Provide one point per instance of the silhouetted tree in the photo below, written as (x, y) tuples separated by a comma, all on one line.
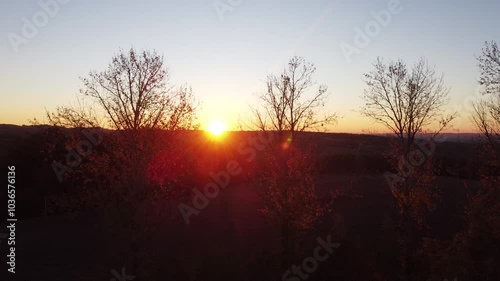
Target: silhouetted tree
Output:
[(132, 93), (489, 65), (486, 113), (288, 189), (134, 99), (486, 117), (478, 245), (291, 104), (408, 101)]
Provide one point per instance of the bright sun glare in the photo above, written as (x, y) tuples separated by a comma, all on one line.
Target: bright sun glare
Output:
[(216, 128)]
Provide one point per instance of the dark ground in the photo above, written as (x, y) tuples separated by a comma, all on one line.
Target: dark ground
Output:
[(229, 238)]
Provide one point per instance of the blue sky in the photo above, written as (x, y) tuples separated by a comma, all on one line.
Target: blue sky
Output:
[(226, 59)]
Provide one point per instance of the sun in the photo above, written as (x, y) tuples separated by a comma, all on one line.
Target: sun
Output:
[(216, 128)]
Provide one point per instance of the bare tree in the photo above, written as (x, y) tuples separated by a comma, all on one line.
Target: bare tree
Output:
[(489, 65), (406, 101), (292, 103), (486, 113), (482, 208), (486, 118), (134, 98), (132, 93)]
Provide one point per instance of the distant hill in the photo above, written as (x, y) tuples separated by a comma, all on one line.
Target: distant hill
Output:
[(344, 142)]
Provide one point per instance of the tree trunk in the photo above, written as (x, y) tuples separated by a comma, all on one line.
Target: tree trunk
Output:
[(285, 243)]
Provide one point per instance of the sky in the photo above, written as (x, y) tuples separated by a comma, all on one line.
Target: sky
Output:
[(225, 49)]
